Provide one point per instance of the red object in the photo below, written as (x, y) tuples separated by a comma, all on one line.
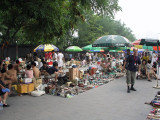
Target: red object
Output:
[(104, 55), (49, 55), (50, 63), (46, 56), (137, 42), (155, 48), (93, 70), (98, 63)]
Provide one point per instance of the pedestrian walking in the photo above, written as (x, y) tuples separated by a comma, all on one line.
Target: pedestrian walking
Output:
[(133, 66)]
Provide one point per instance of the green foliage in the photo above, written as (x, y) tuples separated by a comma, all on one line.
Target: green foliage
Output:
[(97, 26), (47, 21)]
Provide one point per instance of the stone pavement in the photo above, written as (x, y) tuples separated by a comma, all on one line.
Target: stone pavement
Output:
[(107, 102)]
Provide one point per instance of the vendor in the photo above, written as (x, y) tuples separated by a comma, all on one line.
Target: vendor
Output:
[(29, 72), (4, 68), (12, 72), (16, 66), (36, 72), (44, 69), (5, 92), (4, 82), (53, 71)]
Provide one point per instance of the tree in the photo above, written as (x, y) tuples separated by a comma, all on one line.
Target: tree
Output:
[(43, 21), (97, 26)]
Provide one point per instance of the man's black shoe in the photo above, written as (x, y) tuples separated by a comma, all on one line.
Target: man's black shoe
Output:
[(5, 105), (133, 89), (128, 91)]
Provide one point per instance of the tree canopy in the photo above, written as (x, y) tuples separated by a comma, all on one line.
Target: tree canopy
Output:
[(46, 21), (97, 26)]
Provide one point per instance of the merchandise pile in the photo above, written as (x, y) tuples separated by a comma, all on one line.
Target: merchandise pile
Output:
[(155, 112), (71, 83), (78, 81)]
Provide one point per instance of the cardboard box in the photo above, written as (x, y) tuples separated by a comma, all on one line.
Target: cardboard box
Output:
[(80, 75), (67, 74), (22, 88), (73, 73), (30, 87), (27, 80), (25, 88), (15, 87), (37, 82)]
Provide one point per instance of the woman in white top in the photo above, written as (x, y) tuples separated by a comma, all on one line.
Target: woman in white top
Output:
[(154, 57), (29, 72)]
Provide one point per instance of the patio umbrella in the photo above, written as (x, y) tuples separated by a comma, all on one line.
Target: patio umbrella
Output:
[(155, 48), (73, 49), (114, 50), (138, 46), (137, 42), (111, 41), (119, 48), (97, 50), (149, 48), (46, 48), (150, 42), (89, 47)]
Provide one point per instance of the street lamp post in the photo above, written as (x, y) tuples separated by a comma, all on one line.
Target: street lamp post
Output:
[(16, 50)]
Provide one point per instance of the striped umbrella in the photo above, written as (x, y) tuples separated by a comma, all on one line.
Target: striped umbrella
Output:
[(137, 42), (46, 48)]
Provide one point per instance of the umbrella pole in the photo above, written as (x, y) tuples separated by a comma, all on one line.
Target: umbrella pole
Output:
[(157, 86)]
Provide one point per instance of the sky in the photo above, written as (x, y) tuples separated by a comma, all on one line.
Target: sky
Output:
[(141, 16)]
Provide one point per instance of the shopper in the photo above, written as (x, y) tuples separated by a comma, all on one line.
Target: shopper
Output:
[(60, 59), (133, 66)]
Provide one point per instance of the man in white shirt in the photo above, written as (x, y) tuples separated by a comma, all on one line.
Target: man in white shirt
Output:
[(54, 57), (60, 58)]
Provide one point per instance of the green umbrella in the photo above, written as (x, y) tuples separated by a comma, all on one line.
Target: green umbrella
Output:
[(119, 48), (97, 50), (89, 47), (114, 50), (150, 42), (73, 49), (111, 41)]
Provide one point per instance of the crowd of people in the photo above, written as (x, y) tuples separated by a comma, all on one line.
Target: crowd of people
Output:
[(34, 67)]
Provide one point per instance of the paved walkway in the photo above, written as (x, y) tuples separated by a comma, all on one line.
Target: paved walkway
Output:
[(107, 102)]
